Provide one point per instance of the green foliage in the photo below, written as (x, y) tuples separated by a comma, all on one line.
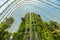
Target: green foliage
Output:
[(4, 35), (43, 29), (33, 23), (7, 22)]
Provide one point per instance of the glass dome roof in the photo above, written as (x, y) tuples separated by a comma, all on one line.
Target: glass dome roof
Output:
[(44, 9)]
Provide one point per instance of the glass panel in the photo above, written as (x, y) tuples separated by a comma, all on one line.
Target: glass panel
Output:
[(2, 2), (5, 6), (55, 1)]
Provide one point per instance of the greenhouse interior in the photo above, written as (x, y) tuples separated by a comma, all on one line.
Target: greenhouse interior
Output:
[(29, 19)]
